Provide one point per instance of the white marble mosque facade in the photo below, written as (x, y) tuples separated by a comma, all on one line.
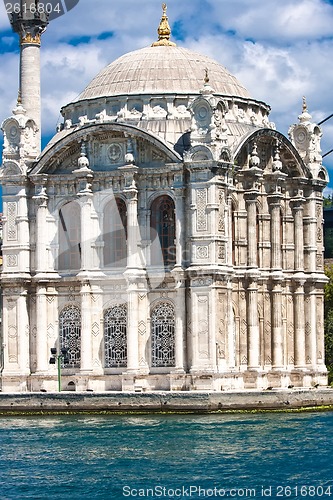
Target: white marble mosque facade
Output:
[(168, 236)]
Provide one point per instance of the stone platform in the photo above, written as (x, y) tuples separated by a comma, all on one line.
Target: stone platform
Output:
[(162, 402)]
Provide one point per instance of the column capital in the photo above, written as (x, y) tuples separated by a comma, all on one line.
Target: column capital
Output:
[(251, 196), (299, 280), (274, 199), (131, 192), (41, 200)]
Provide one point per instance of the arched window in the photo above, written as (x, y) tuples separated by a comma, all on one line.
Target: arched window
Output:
[(69, 237), (70, 334), (115, 233), (163, 224), (163, 335), (115, 337)]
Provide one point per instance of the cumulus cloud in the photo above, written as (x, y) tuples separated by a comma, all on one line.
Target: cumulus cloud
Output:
[(280, 51)]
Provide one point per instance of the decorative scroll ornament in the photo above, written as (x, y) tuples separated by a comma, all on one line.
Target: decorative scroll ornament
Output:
[(164, 31)]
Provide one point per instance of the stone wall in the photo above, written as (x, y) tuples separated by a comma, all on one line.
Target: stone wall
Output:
[(200, 402)]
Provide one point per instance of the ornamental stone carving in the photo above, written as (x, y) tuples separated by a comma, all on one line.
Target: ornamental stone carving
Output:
[(202, 252)]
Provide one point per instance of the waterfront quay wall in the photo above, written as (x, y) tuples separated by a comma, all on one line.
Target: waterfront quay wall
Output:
[(191, 402)]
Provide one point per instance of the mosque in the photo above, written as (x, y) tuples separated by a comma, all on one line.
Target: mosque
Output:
[(167, 238)]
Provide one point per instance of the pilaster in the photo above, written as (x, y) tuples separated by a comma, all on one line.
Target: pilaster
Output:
[(297, 206), (42, 354), (86, 329), (274, 201), (253, 335), (252, 243), (299, 324)]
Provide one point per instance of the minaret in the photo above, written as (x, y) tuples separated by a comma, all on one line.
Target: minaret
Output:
[(30, 23)]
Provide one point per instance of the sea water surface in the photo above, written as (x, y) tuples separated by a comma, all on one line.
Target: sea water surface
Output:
[(271, 455)]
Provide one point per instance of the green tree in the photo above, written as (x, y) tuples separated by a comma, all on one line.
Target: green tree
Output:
[(329, 322), (328, 201)]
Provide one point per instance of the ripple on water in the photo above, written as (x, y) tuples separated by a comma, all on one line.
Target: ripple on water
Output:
[(80, 457)]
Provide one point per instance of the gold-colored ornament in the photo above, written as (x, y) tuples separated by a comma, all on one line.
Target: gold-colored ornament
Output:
[(30, 39), (164, 31)]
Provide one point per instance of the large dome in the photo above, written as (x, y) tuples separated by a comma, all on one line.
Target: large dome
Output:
[(165, 70)]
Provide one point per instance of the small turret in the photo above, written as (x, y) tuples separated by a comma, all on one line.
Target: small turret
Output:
[(306, 137)]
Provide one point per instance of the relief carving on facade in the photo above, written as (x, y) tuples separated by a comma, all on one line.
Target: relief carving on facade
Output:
[(201, 198), (11, 221)]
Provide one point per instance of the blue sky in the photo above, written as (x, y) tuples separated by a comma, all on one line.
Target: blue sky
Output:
[(280, 51)]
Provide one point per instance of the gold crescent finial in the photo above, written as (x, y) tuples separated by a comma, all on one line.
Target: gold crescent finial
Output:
[(164, 31)]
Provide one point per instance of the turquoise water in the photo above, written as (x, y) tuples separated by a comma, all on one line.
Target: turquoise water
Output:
[(172, 456)]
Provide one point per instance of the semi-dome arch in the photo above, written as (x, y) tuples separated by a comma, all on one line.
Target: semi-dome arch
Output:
[(62, 144), (293, 162)]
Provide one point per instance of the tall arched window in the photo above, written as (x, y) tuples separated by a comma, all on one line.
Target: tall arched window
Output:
[(69, 237), (70, 334), (115, 233), (115, 336), (163, 335), (163, 223)]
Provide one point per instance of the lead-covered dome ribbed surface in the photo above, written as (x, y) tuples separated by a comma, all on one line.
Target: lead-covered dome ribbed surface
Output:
[(164, 70)]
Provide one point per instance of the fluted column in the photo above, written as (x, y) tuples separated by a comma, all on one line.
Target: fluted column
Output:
[(230, 229), (277, 327), (180, 326), (86, 235), (231, 329), (134, 271), (42, 354), (299, 327), (133, 233), (23, 333), (275, 205), (252, 244), (311, 344), (320, 334), (132, 330), (253, 336), (311, 228), (297, 205), (86, 335), (41, 200), (180, 225)]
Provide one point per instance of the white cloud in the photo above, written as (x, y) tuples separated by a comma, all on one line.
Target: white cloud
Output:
[(280, 51)]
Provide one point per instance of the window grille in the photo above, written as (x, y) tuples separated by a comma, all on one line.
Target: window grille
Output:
[(163, 335), (70, 335), (115, 336)]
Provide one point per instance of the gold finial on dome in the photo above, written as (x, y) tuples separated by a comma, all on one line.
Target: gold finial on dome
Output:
[(206, 76), (164, 31)]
